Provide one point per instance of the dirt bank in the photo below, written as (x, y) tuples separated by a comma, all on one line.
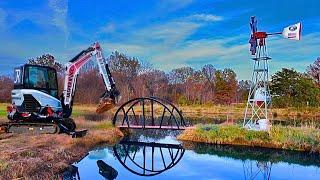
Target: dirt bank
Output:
[(43, 156)]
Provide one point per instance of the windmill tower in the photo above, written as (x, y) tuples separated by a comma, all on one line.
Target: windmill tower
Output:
[(257, 169), (258, 105)]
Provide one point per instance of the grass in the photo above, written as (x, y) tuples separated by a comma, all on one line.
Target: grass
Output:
[(3, 165), (28, 153), (27, 156), (3, 110), (292, 138), (81, 110), (104, 126), (234, 111)]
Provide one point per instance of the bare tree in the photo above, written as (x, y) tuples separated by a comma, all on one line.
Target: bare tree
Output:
[(208, 72), (314, 70), (47, 60), (6, 85), (125, 70)]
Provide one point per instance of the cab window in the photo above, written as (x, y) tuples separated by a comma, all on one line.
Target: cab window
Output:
[(41, 78)]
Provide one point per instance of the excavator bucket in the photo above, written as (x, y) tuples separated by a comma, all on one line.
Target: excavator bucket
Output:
[(3, 128), (105, 105)]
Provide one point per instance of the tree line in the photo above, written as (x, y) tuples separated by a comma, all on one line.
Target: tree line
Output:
[(184, 86)]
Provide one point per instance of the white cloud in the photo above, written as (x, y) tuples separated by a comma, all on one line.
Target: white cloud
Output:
[(308, 45), (109, 28), (173, 5), (123, 48), (169, 33), (214, 51), (205, 17), (294, 54), (60, 14)]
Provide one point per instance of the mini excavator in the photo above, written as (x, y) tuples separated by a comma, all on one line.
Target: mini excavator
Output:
[(36, 105)]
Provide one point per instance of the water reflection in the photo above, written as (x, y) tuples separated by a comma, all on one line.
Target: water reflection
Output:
[(71, 173), (257, 163), (160, 156), (157, 154), (106, 170), (252, 169), (245, 153)]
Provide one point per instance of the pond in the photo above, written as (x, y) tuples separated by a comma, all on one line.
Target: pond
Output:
[(158, 155)]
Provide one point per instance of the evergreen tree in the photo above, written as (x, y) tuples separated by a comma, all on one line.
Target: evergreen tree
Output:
[(291, 88)]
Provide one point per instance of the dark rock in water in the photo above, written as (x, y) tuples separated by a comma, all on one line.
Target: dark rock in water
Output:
[(71, 173), (107, 171)]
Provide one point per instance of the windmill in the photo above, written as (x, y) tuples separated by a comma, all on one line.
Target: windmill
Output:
[(258, 111)]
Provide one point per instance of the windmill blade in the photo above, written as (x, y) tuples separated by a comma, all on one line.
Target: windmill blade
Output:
[(293, 31), (253, 45), (253, 40), (253, 24)]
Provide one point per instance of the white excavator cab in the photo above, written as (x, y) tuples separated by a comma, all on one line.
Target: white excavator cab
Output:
[(35, 87)]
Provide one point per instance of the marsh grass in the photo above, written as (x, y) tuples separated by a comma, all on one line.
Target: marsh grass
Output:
[(293, 138)]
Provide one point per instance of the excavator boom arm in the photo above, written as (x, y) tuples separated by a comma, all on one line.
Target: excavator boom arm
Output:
[(72, 72)]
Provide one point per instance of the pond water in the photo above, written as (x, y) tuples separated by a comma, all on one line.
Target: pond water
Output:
[(158, 155)]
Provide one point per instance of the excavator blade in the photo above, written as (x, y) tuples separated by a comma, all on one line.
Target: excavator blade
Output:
[(33, 128), (105, 105)]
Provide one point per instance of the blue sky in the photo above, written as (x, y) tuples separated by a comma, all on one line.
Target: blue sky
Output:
[(167, 33)]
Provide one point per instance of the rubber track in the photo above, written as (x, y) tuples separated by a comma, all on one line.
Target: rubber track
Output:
[(32, 127)]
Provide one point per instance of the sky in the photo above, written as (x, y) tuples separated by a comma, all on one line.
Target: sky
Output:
[(166, 33)]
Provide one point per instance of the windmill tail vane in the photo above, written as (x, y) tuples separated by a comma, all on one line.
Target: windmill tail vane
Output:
[(293, 31)]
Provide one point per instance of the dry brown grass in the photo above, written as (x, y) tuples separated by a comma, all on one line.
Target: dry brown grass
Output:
[(237, 112), (26, 156)]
